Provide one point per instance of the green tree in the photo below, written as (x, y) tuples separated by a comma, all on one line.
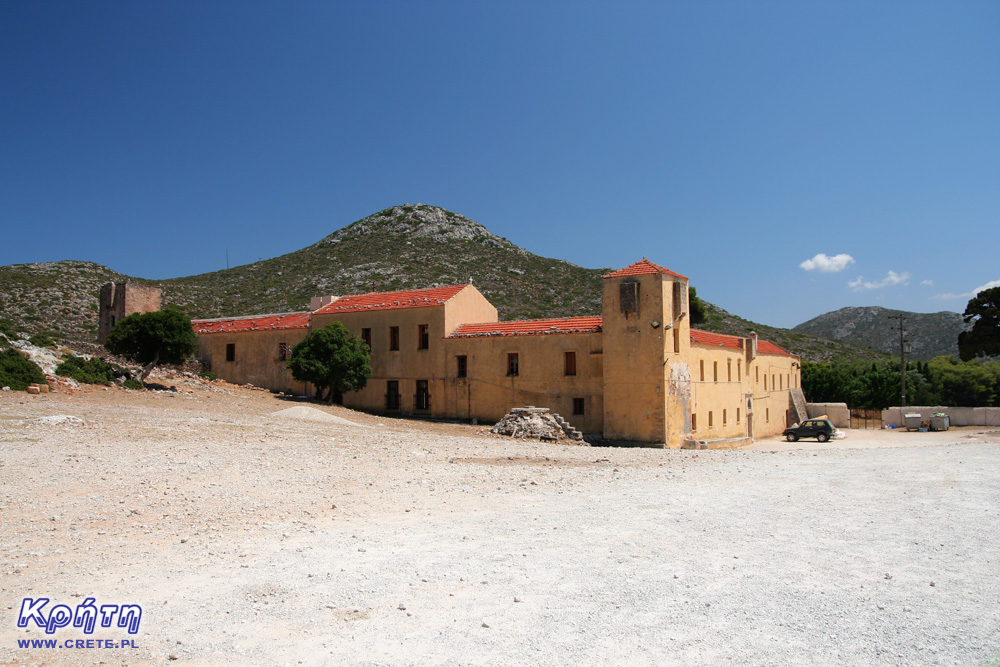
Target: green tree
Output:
[(697, 307), (983, 310), (162, 337), (829, 383), (965, 383), (331, 359), (880, 387)]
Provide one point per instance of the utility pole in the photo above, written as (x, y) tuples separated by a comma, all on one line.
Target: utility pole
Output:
[(903, 345)]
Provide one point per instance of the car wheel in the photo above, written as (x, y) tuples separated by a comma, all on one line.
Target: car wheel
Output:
[(822, 437), (791, 437)]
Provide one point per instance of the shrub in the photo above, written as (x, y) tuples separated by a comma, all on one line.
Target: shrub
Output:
[(42, 340), (17, 371), (7, 329), (132, 384), (208, 375), (93, 371)]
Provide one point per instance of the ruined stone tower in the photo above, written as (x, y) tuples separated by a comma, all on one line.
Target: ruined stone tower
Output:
[(119, 300)]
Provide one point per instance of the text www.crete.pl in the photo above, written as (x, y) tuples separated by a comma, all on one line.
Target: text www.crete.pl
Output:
[(76, 643)]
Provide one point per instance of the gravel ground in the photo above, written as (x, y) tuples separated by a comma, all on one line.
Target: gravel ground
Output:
[(250, 537)]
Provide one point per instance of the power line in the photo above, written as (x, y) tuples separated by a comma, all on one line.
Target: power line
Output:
[(903, 349)]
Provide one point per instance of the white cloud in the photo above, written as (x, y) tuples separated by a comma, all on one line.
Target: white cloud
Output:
[(822, 262), (926, 282), (891, 278), (969, 295)]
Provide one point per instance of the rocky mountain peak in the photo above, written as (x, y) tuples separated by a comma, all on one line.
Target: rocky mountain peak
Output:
[(420, 221)]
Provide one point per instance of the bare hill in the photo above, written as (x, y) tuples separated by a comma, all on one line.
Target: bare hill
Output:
[(930, 334)]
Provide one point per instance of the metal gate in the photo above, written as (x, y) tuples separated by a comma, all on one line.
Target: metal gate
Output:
[(871, 419)]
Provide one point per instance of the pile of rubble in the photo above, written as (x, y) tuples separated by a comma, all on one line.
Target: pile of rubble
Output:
[(532, 422)]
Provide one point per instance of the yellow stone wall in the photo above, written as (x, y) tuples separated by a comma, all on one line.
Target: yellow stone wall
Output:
[(256, 358), (409, 364), (730, 401), (488, 392)]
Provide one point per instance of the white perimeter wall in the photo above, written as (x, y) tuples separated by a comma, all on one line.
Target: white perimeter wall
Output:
[(957, 416)]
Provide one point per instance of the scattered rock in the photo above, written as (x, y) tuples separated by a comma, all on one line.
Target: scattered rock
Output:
[(58, 420)]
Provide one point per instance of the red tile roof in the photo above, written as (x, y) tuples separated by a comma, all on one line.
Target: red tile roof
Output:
[(420, 298), (700, 337), (643, 267), (252, 323), (767, 347), (563, 325)]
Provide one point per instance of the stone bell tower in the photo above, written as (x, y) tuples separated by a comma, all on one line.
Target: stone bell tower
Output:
[(647, 340)]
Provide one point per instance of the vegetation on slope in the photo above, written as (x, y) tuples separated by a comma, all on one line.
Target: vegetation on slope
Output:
[(402, 247)]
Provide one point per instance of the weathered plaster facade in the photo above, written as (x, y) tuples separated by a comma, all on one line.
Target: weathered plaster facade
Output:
[(637, 373), (253, 350)]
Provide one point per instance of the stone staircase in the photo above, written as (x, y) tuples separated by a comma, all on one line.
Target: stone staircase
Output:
[(797, 404), (567, 428)]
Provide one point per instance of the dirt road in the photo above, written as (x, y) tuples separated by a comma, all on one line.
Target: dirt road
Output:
[(252, 534)]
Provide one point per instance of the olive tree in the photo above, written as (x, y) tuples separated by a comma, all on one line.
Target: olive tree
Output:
[(331, 359), (162, 337)]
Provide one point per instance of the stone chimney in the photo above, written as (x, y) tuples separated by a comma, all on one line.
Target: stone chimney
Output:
[(317, 302)]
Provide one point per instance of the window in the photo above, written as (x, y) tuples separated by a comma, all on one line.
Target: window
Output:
[(737, 415), (393, 338), (512, 364), (230, 351), (724, 420), (756, 374), (710, 424), (392, 395), (739, 370), (423, 397), (629, 296), (694, 422), (767, 415), (701, 370), (781, 382), (423, 337), (772, 381), (282, 351), (715, 371), (765, 381), (729, 370), (462, 369), (366, 336), (570, 363), (578, 406)]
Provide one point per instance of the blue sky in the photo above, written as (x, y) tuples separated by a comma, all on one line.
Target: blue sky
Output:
[(792, 158)]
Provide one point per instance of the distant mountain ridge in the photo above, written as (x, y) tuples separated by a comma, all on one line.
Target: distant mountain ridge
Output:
[(929, 334), (401, 247)]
